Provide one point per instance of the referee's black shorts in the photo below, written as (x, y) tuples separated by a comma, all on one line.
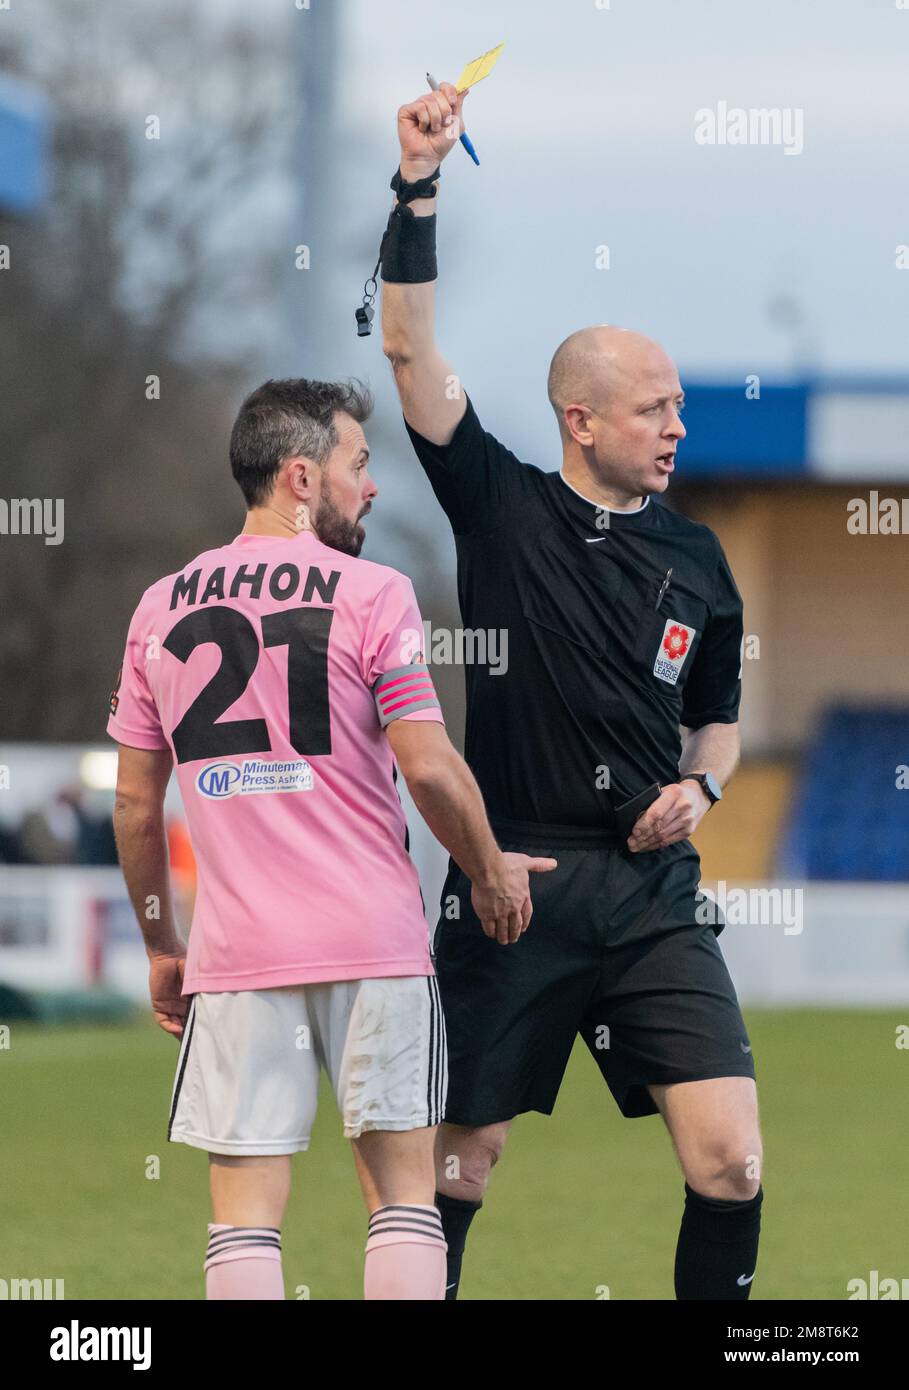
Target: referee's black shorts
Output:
[(614, 951)]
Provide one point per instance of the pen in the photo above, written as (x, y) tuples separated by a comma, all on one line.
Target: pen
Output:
[(663, 587), (465, 139)]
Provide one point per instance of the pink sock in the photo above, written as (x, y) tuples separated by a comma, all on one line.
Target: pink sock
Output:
[(243, 1262), (405, 1254)]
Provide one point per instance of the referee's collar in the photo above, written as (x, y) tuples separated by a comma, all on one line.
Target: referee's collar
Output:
[(591, 510)]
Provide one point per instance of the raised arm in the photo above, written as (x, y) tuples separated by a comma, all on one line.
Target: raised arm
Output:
[(431, 398)]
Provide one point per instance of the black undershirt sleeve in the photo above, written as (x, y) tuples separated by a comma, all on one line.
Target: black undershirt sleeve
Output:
[(714, 687)]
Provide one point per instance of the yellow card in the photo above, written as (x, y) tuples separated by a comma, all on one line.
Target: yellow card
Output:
[(478, 68)]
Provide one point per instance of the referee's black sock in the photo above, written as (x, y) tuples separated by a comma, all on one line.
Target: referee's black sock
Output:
[(456, 1218), (716, 1255)]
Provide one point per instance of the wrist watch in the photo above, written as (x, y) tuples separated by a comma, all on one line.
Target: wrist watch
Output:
[(709, 785)]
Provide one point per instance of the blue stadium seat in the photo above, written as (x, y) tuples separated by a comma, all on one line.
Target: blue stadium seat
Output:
[(849, 821)]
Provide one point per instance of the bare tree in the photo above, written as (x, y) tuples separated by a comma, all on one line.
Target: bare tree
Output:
[(137, 307)]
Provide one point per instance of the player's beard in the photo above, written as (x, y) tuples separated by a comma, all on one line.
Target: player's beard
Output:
[(334, 529)]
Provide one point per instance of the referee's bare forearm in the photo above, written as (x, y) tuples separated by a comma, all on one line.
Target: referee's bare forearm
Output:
[(714, 748)]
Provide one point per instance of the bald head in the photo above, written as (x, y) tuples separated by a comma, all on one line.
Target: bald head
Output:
[(595, 364)]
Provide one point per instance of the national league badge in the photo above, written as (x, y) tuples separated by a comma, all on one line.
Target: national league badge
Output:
[(674, 647)]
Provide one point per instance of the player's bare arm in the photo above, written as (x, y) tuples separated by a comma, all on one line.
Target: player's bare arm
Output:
[(449, 800), (679, 809), (428, 130), (142, 777)]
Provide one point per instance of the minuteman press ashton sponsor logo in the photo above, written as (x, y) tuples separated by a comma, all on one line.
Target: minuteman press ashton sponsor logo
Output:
[(218, 781)]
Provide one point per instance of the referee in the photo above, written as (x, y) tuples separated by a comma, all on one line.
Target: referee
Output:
[(625, 630)]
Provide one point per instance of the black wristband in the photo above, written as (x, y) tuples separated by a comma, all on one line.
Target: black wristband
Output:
[(409, 248), (420, 188), (408, 251)]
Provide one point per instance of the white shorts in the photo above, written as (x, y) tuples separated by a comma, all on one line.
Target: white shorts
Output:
[(248, 1073)]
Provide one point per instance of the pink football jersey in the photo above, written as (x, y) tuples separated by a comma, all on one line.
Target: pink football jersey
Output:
[(270, 668)]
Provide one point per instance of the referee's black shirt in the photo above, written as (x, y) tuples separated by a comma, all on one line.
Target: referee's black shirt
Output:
[(576, 588)]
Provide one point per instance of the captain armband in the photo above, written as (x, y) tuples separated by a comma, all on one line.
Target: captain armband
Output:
[(404, 690)]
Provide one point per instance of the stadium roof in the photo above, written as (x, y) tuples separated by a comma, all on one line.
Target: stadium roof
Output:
[(836, 430)]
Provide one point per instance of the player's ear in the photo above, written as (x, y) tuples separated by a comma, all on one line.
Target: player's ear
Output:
[(300, 477)]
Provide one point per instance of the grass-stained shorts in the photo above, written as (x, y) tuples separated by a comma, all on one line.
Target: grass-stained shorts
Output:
[(247, 1077), (614, 951)]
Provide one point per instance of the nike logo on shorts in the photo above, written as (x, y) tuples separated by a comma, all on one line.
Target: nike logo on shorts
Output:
[(746, 1047), (745, 1279)]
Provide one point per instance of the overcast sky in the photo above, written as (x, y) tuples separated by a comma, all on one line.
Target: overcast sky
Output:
[(586, 136), (586, 133)]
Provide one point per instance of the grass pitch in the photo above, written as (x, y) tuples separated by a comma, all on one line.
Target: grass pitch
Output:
[(581, 1200)]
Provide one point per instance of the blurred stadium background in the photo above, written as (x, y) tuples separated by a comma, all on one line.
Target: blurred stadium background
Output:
[(192, 197)]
